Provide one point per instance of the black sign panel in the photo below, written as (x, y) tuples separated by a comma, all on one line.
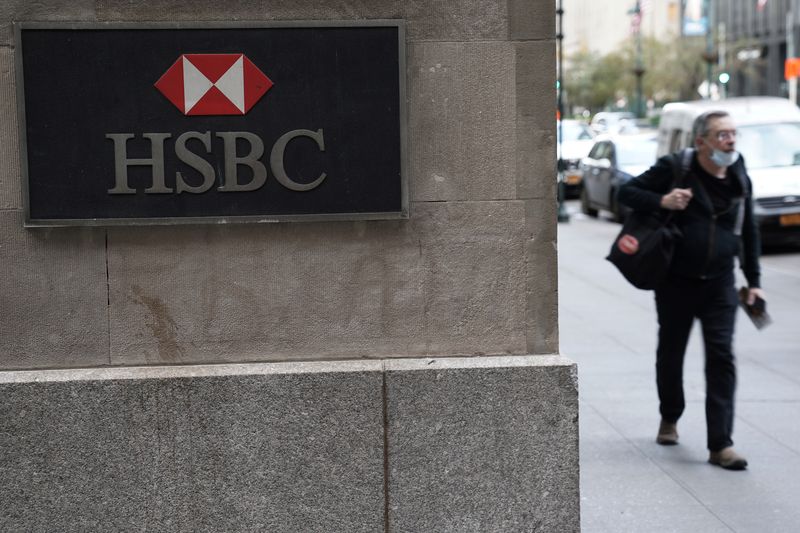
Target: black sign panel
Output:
[(131, 124)]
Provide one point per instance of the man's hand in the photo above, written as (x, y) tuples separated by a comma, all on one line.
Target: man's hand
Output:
[(752, 293), (676, 199)]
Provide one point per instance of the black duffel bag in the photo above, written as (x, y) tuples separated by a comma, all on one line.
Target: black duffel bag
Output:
[(643, 250)]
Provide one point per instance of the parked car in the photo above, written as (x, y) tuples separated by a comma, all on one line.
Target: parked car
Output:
[(578, 140), (769, 139), (612, 161)]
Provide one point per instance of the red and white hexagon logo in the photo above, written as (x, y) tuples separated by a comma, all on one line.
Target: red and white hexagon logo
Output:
[(213, 84)]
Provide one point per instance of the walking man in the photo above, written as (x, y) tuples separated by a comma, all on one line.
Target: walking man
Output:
[(714, 211)]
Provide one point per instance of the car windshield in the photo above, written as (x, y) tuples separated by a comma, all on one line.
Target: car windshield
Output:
[(575, 131), (770, 145), (635, 153)]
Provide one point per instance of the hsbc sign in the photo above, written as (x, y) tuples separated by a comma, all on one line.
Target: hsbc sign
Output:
[(153, 124)]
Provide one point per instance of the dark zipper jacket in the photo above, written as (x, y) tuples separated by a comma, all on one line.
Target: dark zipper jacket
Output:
[(709, 242)]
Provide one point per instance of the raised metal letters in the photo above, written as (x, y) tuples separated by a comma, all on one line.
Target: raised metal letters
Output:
[(232, 162), (194, 161), (121, 162), (276, 159), (200, 164)]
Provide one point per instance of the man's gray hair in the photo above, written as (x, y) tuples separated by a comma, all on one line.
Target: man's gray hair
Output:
[(700, 126)]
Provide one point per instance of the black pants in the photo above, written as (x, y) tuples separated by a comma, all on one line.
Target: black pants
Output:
[(714, 302)]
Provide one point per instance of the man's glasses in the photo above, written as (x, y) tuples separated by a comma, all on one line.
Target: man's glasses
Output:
[(725, 135)]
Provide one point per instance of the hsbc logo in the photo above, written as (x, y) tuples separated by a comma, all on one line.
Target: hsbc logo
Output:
[(213, 84)]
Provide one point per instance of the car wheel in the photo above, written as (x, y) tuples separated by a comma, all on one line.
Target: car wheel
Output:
[(586, 208)]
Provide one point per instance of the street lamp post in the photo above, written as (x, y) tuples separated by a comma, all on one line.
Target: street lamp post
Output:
[(722, 60), (639, 69), (709, 56), (563, 215), (790, 48)]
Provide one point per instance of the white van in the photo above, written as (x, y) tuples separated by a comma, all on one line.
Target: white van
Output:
[(769, 140)]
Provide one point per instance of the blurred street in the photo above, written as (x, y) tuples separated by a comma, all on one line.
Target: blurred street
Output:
[(628, 482)]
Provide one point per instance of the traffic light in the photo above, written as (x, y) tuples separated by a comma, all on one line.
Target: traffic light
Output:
[(724, 77)]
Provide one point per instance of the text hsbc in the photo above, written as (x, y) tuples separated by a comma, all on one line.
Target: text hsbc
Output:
[(232, 162)]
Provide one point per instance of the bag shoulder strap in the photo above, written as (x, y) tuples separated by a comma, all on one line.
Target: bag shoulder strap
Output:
[(741, 175), (737, 230), (681, 164)]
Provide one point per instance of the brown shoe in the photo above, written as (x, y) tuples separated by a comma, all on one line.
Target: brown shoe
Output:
[(727, 458), (667, 433)]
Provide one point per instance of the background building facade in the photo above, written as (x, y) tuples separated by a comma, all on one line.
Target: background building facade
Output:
[(601, 27), (754, 39)]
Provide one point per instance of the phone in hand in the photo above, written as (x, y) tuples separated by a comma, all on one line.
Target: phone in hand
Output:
[(757, 311)]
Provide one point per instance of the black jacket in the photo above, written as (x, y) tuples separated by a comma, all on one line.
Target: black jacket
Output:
[(709, 242)]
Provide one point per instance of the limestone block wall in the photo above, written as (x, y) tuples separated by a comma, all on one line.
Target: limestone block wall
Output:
[(306, 376), (473, 271), (461, 445)]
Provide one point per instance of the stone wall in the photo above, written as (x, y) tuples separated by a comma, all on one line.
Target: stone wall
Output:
[(471, 272), (412, 445), (338, 376)]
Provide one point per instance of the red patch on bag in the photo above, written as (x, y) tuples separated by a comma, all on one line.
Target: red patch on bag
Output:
[(628, 244)]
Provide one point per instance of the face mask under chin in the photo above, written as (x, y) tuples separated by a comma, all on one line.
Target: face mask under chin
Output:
[(724, 159)]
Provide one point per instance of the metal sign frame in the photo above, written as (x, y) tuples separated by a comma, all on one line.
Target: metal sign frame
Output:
[(403, 213)]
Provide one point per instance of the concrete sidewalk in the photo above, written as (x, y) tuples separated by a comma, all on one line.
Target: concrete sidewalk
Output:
[(628, 482)]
